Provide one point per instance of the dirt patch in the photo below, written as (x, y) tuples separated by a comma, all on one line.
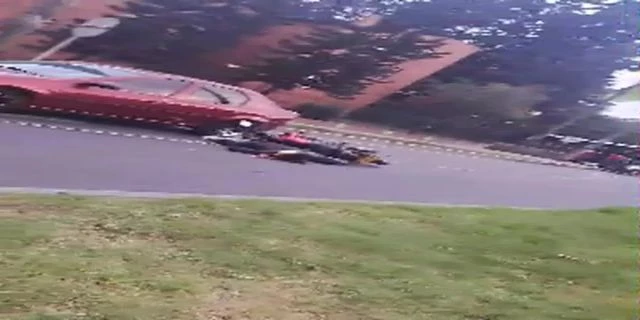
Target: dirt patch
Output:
[(283, 300)]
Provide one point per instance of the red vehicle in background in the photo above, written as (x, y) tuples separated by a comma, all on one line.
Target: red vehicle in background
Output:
[(113, 92), (609, 156)]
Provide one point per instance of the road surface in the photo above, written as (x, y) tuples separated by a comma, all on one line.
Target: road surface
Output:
[(137, 162)]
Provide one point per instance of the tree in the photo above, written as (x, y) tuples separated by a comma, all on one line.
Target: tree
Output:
[(466, 98), (168, 35), (566, 49), (319, 112), (464, 109), (567, 46), (341, 64), (534, 42)]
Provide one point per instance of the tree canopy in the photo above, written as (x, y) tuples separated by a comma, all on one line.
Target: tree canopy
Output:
[(571, 47), (566, 49)]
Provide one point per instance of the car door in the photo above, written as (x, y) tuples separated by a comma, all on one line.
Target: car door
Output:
[(81, 97), (201, 104), (148, 99), (140, 99)]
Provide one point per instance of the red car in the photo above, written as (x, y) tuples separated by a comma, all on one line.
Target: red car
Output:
[(107, 91)]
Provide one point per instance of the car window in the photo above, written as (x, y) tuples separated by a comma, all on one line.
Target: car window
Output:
[(219, 95), (72, 70), (151, 86), (117, 71), (52, 70)]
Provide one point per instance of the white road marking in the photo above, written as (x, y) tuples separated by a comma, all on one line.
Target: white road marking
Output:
[(355, 139)]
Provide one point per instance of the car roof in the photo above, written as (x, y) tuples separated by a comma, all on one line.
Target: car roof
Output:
[(93, 70), (80, 70)]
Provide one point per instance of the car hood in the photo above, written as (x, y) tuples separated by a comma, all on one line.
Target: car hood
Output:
[(257, 102), (263, 104)]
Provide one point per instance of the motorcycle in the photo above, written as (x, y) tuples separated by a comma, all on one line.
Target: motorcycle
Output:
[(273, 146)]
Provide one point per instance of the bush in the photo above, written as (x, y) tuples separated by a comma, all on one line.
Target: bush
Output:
[(319, 112)]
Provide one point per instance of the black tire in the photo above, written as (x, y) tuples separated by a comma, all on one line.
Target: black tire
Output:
[(221, 142), (381, 162), (208, 130), (299, 159), (245, 150), (14, 99), (321, 159)]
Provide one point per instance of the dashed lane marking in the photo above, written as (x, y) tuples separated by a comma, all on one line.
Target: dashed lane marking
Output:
[(357, 140), (101, 132), (390, 141), (114, 133)]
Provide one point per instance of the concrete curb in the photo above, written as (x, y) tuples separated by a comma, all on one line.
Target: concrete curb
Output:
[(167, 195), (430, 144)]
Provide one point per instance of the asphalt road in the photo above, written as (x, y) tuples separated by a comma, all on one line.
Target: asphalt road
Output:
[(48, 158)]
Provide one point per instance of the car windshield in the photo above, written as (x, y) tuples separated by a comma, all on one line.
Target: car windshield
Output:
[(68, 70), (150, 85), (219, 95)]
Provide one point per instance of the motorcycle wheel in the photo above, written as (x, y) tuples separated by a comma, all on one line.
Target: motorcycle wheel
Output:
[(14, 99), (299, 159), (380, 162)]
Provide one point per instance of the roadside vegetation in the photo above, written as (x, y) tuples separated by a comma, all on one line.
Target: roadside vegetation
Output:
[(630, 95), (64, 257)]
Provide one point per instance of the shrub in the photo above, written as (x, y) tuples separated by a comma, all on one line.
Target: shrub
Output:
[(319, 112)]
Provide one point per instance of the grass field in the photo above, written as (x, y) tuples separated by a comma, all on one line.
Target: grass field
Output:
[(68, 257)]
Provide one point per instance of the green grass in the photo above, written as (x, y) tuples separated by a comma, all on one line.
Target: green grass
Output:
[(631, 95), (81, 258)]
